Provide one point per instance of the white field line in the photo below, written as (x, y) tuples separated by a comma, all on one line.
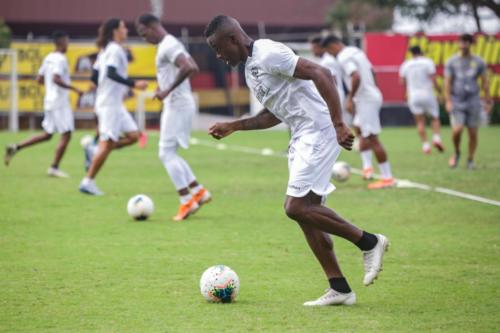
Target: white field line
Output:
[(402, 183)]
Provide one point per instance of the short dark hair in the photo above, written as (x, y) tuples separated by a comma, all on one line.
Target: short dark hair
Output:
[(415, 50), (58, 34), (215, 24), (466, 38), (330, 40), (315, 39), (147, 19)]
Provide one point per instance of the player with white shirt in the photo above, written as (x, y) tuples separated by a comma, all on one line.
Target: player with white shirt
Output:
[(112, 86), (365, 101), (58, 116), (302, 95), (174, 66), (418, 77)]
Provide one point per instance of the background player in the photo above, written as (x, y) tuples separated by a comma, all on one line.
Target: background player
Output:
[(364, 100), (112, 87), (58, 116), (418, 77), (174, 66), (462, 94), (301, 94)]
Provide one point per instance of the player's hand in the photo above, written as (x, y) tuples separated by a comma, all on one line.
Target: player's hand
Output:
[(221, 130), (488, 105), (161, 95), (449, 106), (350, 106), (345, 137), (141, 84), (79, 91)]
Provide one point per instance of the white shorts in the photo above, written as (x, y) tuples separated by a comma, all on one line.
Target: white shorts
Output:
[(175, 123), (310, 163), (113, 121), (59, 120), (367, 117), (424, 104)]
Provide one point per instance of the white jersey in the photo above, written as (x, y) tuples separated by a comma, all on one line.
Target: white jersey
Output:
[(418, 75), (352, 59), (166, 70), (111, 93), (333, 65), (269, 75), (56, 97)]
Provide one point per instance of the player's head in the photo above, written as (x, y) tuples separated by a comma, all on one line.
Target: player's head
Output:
[(61, 40), (113, 29), (316, 47), (149, 28), (226, 37), (416, 50), (332, 44), (465, 42)]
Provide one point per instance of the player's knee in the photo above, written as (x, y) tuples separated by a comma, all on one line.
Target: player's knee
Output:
[(133, 137), (294, 210), (166, 155)]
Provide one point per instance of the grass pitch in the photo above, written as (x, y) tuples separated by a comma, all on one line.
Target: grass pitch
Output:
[(75, 263)]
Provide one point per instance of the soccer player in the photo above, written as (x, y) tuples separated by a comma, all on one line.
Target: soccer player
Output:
[(330, 62), (112, 86), (174, 66), (419, 77), (462, 95), (365, 101), (58, 116), (301, 94)]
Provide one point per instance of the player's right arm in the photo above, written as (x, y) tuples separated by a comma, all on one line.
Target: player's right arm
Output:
[(264, 119), (60, 82), (448, 77)]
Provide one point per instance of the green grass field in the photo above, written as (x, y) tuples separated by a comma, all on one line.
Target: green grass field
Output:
[(75, 263)]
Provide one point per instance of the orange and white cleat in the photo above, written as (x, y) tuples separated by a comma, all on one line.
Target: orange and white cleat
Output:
[(202, 197), (186, 209), (382, 183), (367, 173)]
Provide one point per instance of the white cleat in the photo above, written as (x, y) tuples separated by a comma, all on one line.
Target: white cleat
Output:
[(54, 172), (90, 188), (332, 297), (373, 259)]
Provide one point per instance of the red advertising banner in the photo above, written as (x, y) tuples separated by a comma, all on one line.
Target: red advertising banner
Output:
[(388, 51)]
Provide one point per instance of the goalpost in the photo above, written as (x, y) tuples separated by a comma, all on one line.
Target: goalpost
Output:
[(8, 87)]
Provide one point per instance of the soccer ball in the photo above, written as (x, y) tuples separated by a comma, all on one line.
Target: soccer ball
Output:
[(220, 284), (86, 140), (140, 207), (341, 171)]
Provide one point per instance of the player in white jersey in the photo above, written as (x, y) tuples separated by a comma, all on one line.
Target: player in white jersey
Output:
[(365, 101), (58, 116), (112, 86), (328, 61), (174, 66), (302, 95), (418, 77)]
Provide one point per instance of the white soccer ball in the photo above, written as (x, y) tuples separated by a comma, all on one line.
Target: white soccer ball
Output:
[(140, 207), (220, 284), (86, 140), (341, 171)]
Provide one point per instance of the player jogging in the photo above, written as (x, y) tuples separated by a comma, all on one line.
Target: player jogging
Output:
[(463, 101), (58, 116), (301, 94), (365, 101), (112, 87), (419, 77), (174, 65)]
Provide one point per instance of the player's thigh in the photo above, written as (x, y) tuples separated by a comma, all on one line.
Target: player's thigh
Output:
[(368, 113), (127, 123), (458, 118), (109, 123)]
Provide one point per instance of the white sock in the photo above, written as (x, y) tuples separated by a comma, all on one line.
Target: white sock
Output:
[(188, 173), (366, 158), (185, 198), (385, 170), (196, 189), (87, 181), (436, 138), (426, 146)]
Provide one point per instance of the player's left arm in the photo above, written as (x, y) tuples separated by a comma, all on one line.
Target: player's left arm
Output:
[(60, 82), (485, 85), (187, 67), (307, 70)]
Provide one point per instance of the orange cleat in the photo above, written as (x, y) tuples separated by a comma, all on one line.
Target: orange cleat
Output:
[(186, 209), (382, 183), (202, 197), (143, 139), (368, 173)]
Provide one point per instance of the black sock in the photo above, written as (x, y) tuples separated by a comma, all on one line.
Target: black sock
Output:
[(367, 241), (340, 285)]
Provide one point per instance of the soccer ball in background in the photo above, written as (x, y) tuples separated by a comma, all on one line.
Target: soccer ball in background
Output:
[(140, 207), (341, 171), (220, 284)]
